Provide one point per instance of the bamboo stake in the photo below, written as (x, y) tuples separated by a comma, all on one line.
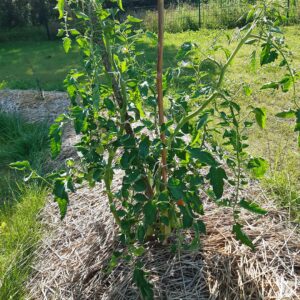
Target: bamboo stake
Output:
[(160, 6)]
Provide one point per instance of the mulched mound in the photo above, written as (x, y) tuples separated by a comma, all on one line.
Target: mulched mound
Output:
[(73, 258)]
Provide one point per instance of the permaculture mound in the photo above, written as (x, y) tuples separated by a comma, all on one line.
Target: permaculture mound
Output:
[(73, 258)]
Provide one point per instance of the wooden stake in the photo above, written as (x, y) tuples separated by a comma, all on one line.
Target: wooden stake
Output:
[(160, 100)]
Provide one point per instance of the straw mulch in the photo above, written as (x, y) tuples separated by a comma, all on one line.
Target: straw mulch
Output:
[(74, 255)]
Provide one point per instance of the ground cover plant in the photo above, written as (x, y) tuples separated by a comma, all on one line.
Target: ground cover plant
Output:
[(20, 229), (20, 233), (201, 145), (20, 140)]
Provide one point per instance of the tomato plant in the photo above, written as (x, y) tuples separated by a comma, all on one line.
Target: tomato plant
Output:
[(167, 157)]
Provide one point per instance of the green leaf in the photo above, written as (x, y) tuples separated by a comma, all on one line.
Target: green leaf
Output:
[(60, 7), (133, 19), (287, 114), (242, 236), (201, 227), (247, 90), (253, 207), (140, 233), (152, 36), (74, 32), (267, 55), (62, 205), (217, 177), (21, 165), (80, 119), (176, 188), (270, 85), (202, 121), (297, 120), (60, 32), (138, 251), (250, 15), (82, 15), (203, 157), (120, 4), (251, 41), (283, 63), (61, 196), (184, 50), (145, 288), (140, 198), (55, 134), (140, 185), (132, 177), (286, 82), (67, 44), (260, 116), (150, 213), (187, 220), (258, 166), (144, 147)]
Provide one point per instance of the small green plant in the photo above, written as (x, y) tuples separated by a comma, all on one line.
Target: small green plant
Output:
[(166, 166)]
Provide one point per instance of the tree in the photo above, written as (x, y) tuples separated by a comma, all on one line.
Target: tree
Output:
[(14, 13)]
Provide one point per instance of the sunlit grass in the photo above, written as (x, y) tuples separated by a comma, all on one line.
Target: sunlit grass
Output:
[(20, 232)]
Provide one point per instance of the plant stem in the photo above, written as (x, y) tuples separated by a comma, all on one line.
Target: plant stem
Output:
[(238, 158), (119, 90), (187, 118), (234, 53), (160, 96), (107, 181)]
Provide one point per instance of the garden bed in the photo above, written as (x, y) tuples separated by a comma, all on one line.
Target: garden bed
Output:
[(73, 260)]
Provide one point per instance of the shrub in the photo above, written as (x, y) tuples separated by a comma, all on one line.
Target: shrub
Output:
[(166, 165)]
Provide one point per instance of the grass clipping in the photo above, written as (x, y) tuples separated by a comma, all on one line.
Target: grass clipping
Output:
[(72, 259)]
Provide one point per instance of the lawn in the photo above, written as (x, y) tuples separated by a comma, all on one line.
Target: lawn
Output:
[(30, 64), (23, 63)]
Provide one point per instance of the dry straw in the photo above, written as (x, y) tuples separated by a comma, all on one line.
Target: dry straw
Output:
[(73, 258)]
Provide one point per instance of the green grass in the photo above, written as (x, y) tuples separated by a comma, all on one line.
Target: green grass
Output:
[(20, 232), (20, 140), (30, 64), (27, 33)]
